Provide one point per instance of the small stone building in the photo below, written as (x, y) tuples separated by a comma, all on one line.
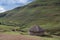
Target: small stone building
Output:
[(36, 30)]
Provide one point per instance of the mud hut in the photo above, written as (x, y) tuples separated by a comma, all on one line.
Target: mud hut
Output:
[(36, 30)]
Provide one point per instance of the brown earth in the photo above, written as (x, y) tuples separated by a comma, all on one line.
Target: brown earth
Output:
[(17, 37)]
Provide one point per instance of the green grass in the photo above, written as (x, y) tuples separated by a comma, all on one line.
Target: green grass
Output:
[(45, 13), (4, 28), (11, 32), (44, 38)]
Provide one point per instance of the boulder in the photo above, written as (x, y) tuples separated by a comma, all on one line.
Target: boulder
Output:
[(36, 30)]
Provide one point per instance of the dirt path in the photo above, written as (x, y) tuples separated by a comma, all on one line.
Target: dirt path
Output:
[(16, 37)]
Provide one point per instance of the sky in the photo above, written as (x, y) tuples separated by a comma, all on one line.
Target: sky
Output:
[(6, 5)]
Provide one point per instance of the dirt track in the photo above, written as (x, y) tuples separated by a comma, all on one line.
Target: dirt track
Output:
[(16, 37)]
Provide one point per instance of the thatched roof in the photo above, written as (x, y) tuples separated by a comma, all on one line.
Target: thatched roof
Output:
[(36, 28)]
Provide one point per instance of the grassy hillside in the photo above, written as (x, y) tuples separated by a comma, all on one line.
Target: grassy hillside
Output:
[(45, 13)]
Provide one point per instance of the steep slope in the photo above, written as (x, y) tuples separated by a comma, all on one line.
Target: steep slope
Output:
[(45, 13)]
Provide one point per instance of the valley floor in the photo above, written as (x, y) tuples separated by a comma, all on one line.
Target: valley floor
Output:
[(24, 37)]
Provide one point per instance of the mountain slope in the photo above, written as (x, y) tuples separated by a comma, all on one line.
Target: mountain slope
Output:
[(45, 13)]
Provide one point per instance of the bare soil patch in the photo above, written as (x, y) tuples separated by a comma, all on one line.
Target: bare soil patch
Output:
[(17, 37)]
